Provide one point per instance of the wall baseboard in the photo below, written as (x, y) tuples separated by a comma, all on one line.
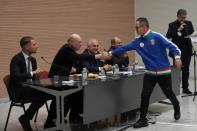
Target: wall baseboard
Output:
[(4, 100)]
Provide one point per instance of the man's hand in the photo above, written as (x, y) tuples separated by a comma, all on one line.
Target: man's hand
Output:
[(178, 63), (125, 54), (73, 70), (181, 27), (107, 67), (36, 71), (103, 56)]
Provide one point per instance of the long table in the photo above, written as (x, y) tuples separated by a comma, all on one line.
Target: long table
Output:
[(59, 91), (108, 98), (103, 97)]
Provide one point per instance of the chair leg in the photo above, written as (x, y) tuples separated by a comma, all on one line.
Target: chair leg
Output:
[(35, 119), (11, 105), (23, 105), (47, 106)]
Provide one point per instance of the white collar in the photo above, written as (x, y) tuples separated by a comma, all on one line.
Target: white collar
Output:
[(25, 55), (146, 33)]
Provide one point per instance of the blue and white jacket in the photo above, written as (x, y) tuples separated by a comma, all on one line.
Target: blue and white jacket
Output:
[(152, 48)]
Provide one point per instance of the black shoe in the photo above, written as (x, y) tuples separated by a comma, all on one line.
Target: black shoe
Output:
[(141, 123), (49, 124), (187, 91), (76, 120), (177, 113), (25, 123), (65, 121)]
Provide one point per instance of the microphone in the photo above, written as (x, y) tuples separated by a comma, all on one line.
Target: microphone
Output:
[(43, 58), (185, 28), (52, 64)]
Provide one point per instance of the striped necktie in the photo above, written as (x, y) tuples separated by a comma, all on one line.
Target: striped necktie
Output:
[(28, 64)]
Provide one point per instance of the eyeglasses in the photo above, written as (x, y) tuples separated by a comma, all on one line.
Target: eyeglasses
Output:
[(95, 45), (182, 16), (137, 27)]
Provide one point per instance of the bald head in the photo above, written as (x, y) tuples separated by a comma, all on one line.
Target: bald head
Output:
[(93, 45), (75, 41), (92, 41), (73, 37), (115, 42)]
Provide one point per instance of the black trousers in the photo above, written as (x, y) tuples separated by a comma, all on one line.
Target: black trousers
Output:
[(37, 99), (186, 59), (76, 103), (73, 102), (165, 83)]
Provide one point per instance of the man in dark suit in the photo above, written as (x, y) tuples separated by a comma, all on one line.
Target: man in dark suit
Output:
[(121, 59), (94, 65), (62, 65), (179, 32), (23, 67)]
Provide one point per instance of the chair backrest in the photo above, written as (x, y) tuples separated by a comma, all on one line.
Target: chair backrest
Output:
[(42, 75), (6, 80)]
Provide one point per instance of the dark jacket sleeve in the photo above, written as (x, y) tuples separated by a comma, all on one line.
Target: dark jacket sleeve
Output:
[(85, 58), (65, 60), (91, 68), (119, 59), (82, 56), (172, 31), (191, 29), (92, 64), (78, 65), (15, 71)]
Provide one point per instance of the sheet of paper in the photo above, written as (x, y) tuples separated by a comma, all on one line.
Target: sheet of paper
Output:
[(193, 37)]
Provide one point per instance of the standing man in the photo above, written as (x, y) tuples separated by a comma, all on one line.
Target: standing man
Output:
[(179, 32), (151, 46), (23, 67)]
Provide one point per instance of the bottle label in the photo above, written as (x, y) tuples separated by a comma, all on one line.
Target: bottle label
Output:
[(84, 76)]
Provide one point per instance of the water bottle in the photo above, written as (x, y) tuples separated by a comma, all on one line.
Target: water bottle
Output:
[(102, 72), (129, 70), (134, 65), (113, 69), (84, 74), (116, 69)]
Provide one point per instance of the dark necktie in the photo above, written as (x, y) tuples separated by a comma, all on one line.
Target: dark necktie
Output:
[(28, 64)]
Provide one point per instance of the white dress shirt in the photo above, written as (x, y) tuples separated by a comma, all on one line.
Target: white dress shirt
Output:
[(26, 61)]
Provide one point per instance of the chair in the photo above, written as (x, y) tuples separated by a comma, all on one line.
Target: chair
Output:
[(22, 102)]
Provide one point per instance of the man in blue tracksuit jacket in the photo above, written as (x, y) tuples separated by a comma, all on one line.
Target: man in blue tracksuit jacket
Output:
[(151, 46)]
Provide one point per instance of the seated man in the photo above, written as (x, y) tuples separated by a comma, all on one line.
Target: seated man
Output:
[(62, 65), (121, 59), (23, 67), (94, 65)]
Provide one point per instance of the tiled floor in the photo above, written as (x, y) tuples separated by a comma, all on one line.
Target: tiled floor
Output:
[(164, 122)]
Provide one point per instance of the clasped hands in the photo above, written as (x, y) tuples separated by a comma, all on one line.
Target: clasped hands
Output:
[(103, 56)]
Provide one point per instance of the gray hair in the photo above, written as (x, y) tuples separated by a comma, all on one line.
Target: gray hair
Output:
[(143, 21), (181, 12)]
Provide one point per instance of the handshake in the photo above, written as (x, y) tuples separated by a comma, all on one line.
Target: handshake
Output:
[(104, 55)]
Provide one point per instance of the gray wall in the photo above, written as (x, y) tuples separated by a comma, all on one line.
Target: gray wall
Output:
[(161, 12)]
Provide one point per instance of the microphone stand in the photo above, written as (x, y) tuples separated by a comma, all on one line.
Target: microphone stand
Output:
[(195, 93), (194, 54)]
